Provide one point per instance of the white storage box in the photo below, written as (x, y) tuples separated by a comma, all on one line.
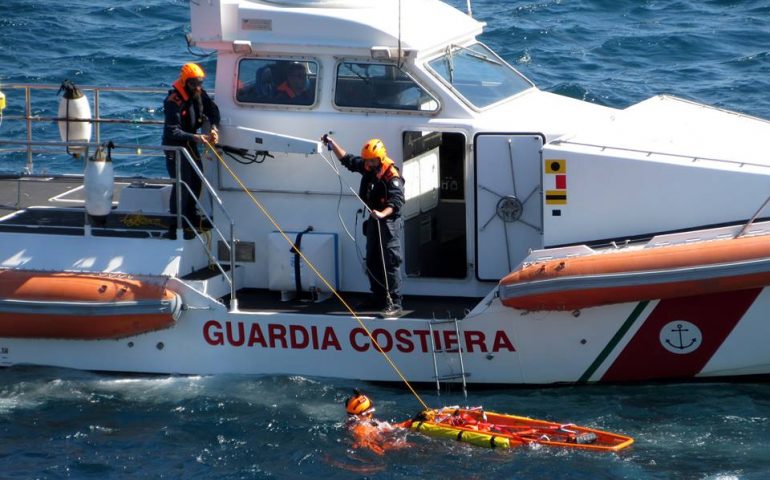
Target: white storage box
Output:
[(320, 248), (145, 198)]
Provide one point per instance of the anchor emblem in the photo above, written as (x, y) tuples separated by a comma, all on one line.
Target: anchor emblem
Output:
[(680, 337)]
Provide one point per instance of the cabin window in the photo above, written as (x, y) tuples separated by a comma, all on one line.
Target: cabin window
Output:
[(277, 82), (478, 75), (380, 86)]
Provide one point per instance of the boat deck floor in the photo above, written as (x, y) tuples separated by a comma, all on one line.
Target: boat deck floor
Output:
[(55, 205), (415, 306)]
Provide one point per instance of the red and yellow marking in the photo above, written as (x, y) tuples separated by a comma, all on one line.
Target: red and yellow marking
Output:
[(556, 169)]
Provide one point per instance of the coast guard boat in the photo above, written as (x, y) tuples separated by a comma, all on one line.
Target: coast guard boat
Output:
[(546, 239)]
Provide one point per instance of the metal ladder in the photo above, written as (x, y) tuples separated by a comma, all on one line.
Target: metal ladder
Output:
[(460, 347)]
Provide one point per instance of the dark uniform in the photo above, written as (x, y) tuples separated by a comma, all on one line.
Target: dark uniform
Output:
[(184, 116), (382, 189)]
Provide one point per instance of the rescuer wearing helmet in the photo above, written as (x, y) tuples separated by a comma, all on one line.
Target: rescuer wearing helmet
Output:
[(359, 405), (187, 109), (369, 433), (382, 189)]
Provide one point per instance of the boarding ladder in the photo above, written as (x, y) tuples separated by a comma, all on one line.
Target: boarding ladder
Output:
[(445, 351)]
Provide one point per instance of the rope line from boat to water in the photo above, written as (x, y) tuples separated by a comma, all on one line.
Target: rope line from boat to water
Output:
[(318, 273)]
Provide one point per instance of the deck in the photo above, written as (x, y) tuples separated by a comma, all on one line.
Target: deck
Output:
[(54, 205), (415, 306)]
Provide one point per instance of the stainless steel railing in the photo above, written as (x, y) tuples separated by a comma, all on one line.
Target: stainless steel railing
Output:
[(29, 118), (30, 147)]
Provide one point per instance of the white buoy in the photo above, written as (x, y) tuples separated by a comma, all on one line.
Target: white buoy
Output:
[(74, 106), (99, 183)]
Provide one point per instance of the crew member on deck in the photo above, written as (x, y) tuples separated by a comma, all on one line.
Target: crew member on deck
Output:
[(382, 188), (188, 108)]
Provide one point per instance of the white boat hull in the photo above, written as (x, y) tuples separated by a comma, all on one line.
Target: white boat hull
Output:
[(494, 169), (708, 336)]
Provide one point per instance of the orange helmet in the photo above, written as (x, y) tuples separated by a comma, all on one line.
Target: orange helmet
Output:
[(372, 149), (191, 70), (359, 404)]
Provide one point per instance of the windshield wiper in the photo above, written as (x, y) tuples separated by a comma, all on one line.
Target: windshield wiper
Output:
[(451, 64), (481, 56)]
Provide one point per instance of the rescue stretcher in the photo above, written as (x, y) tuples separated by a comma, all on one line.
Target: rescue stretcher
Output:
[(496, 430)]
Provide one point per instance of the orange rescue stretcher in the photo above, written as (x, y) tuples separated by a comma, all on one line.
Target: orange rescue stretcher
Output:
[(496, 430)]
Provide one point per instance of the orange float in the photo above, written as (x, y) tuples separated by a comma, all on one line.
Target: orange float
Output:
[(497, 430), (629, 275), (83, 305)]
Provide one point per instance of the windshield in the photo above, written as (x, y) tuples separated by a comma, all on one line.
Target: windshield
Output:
[(478, 75)]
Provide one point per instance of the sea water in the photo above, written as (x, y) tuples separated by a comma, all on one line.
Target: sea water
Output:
[(66, 424)]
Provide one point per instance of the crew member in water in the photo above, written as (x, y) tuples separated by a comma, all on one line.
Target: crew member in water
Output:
[(382, 189), (188, 109), (369, 433)]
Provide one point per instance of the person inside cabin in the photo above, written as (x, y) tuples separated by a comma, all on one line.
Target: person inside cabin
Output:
[(262, 90), (369, 433), (296, 89), (382, 189), (188, 109)]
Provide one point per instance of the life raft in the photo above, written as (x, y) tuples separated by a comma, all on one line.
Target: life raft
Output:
[(495, 430), (83, 305), (629, 275)]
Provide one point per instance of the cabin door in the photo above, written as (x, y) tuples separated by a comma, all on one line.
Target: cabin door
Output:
[(435, 243), (509, 211)]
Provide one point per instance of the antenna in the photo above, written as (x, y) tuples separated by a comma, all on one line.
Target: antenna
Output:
[(399, 33)]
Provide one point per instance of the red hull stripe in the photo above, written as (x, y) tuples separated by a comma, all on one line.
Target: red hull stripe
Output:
[(695, 327)]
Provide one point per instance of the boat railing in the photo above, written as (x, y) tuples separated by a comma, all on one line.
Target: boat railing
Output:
[(181, 220), (153, 97), (752, 219), (649, 153), (229, 240)]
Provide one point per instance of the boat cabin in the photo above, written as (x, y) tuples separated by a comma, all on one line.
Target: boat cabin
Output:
[(435, 97)]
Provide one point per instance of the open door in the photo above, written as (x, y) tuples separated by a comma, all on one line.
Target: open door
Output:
[(435, 239), (509, 209)]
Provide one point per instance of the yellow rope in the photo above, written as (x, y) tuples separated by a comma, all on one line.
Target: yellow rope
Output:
[(139, 220), (315, 270)]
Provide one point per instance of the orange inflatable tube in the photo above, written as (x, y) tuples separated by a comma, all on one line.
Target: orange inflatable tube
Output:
[(639, 274), (83, 305)]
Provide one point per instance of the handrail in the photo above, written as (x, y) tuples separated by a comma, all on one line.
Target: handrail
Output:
[(51, 86), (751, 220), (230, 243), (28, 118), (693, 158)]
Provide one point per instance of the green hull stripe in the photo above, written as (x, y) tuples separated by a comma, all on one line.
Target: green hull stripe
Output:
[(614, 342)]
